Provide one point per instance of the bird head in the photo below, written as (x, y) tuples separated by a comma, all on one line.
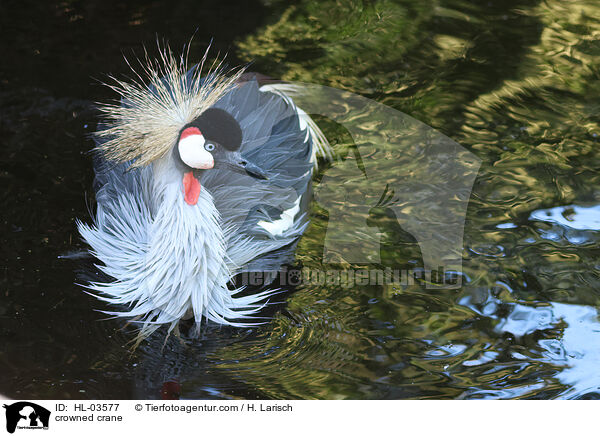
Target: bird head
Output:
[(211, 141), (171, 107)]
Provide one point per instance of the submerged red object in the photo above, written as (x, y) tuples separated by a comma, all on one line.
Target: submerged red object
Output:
[(171, 390)]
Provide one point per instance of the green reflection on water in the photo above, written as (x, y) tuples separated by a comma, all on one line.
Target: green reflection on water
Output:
[(517, 84)]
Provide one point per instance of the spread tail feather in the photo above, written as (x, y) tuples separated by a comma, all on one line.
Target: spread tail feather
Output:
[(321, 146)]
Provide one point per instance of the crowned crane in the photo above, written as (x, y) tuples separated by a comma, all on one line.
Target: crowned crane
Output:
[(198, 177)]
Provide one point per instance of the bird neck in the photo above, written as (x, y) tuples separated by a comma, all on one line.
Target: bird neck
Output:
[(188, 244)]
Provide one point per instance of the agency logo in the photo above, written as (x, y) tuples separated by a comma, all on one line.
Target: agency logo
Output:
[(394, 164), (26, 415), (391, 175)]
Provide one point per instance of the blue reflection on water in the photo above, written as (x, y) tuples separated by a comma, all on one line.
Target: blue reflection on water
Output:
[(573, 216)]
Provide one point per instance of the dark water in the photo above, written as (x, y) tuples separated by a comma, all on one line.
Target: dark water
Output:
[(514, 82)]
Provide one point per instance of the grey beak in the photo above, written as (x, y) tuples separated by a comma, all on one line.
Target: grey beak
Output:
[(235, 162), (254, 170)]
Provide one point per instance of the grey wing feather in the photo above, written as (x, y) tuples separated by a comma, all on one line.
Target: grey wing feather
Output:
[(274, 140)]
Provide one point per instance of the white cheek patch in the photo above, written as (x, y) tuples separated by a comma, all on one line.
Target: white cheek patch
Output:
[(193, 154)]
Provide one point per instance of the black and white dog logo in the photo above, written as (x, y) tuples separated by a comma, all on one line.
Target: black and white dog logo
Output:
[(26, 415)]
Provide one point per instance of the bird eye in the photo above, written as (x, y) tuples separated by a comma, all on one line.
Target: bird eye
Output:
[(209, 146)]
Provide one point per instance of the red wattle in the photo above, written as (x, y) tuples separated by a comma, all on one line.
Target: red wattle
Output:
[(191, 188)]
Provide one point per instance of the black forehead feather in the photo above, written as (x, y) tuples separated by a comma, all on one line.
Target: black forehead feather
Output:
[(218, 125)]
